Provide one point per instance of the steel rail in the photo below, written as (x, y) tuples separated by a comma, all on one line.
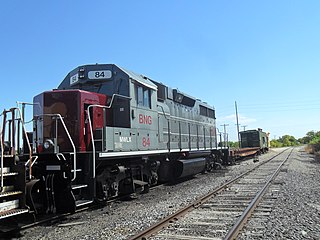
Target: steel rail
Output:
[(234, 231), (173, 217)]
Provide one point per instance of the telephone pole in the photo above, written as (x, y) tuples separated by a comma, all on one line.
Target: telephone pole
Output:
[(244, 127), (235, 103)]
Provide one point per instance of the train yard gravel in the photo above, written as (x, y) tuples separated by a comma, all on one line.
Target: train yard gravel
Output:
[(295, 214)]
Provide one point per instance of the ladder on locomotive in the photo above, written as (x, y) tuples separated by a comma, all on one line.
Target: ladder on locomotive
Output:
[(12, 172)]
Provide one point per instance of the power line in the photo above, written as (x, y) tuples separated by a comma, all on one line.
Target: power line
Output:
[(269, 110), (280, 105)]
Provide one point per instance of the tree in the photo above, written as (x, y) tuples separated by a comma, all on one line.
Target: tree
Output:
[(288, 141), (309, 136), (275, 143)]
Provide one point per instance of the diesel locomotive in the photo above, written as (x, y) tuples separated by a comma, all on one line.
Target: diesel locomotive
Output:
[(104, 132)]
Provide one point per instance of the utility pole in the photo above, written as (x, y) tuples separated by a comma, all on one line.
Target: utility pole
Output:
[(244, 127), (225, 133), (235, 103)]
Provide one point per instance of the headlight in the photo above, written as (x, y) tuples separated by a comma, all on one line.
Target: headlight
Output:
[(47, 144)]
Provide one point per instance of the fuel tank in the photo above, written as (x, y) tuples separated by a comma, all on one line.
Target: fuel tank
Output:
[(172, 170), (188, 167)]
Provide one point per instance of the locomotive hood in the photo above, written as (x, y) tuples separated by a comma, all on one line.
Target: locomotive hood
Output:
[(103, 78)]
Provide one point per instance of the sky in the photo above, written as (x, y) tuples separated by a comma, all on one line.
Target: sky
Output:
[(264, 55)]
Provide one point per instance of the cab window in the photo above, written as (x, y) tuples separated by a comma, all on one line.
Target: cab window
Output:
[(140, 96), (143, 96)]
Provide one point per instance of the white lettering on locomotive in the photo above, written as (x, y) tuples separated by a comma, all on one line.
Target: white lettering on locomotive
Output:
[(100, 74), (74, 79), (125, 139)]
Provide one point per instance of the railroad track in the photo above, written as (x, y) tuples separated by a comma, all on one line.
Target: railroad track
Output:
[(222, 213)]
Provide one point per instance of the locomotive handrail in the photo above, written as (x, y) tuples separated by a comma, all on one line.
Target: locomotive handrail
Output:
[(2, 149), (220, 138), (91, 130), (23, 104), (33, 162), (164, 114), (189, 120), (71, 141), (60, 154), (169, 131), (1, 171), (27, 139), (2, 143)]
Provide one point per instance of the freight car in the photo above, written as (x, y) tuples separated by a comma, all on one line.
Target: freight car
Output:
[(252, 143), (104, 132), (255, 139)]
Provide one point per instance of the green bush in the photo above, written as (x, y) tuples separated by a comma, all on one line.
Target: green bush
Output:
[(315, 144)]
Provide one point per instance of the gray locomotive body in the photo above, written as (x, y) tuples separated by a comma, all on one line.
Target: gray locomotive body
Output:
[(107, 131)]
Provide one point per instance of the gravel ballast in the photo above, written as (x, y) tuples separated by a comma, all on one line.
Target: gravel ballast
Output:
[(295, 214)]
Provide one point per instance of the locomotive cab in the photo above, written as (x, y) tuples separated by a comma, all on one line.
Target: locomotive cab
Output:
[(133, 122)]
